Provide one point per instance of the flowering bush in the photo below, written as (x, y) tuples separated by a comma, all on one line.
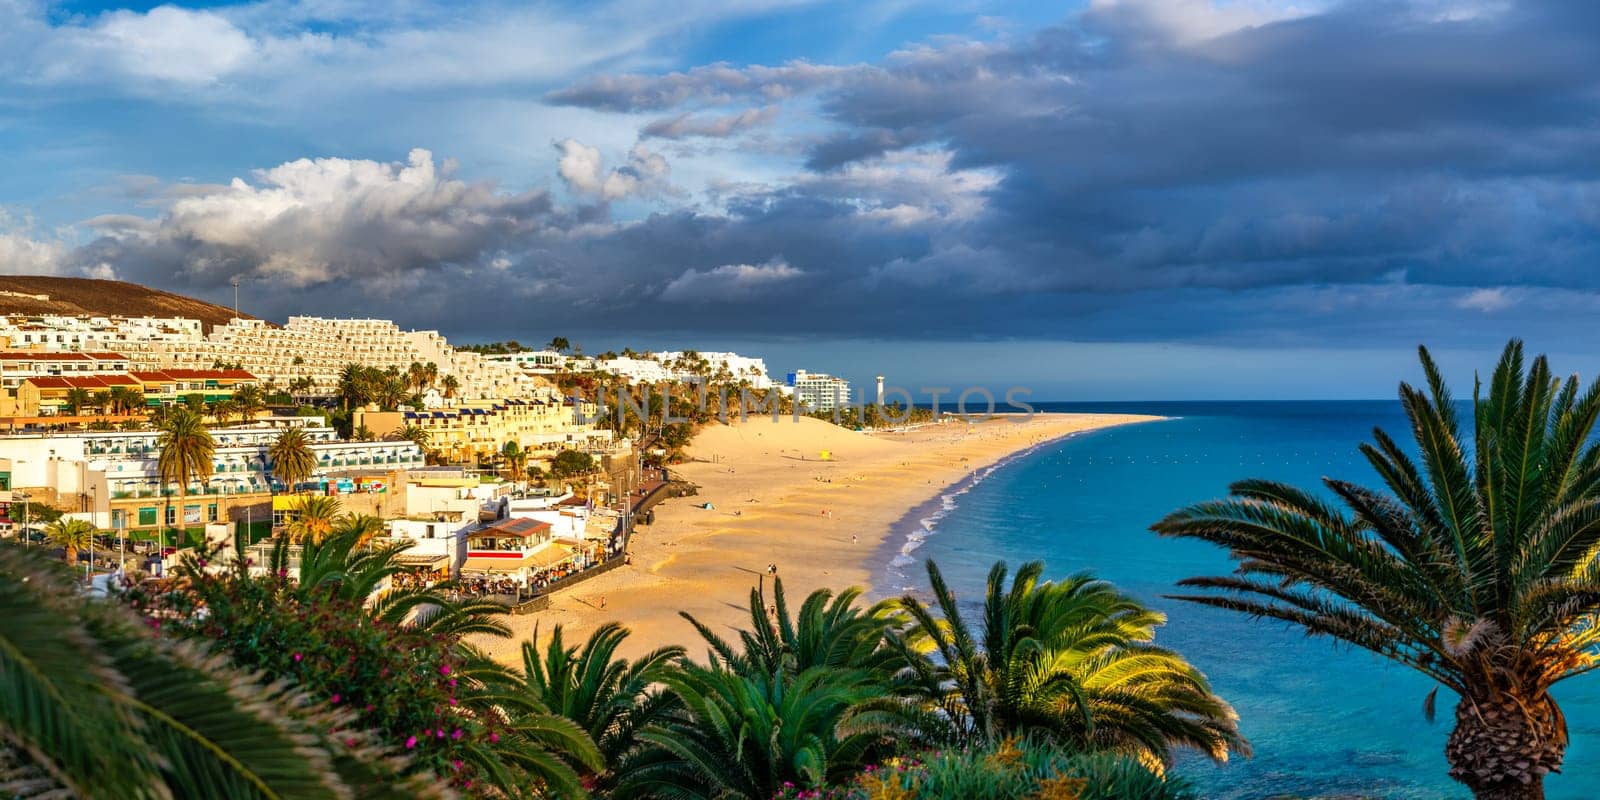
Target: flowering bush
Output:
[(405, 685)]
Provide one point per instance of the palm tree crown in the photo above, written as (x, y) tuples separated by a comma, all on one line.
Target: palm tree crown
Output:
[(1073, 660), (291, 457), (70, 534), (1474, 564)]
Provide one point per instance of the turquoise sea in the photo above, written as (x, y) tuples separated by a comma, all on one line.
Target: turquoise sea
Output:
[(1326, 721)]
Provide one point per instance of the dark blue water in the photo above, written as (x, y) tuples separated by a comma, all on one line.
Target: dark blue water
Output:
[(1326, 720)]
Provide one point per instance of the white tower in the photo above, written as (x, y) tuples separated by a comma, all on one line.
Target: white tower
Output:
[(880, 390)]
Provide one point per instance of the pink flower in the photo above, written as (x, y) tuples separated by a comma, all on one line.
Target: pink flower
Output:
[(494, 737), (296, 658), (444, 669), (456, 763), (457, 734), (411, 742), (452, 683), (350, 742), (452, 701), (335, 699)]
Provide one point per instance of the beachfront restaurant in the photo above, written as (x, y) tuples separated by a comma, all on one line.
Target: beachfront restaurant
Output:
[(510, 549)]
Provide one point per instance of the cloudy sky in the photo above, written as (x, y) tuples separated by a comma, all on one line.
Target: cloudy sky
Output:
[(1101, 199)]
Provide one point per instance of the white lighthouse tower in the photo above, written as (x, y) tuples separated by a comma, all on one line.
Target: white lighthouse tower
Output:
[(880, 390)]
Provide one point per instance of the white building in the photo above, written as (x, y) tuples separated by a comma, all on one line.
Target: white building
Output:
[(121, 334), (533, 362), (636, 370), (720, 366), (318, 348), (819, 392), (17, 366)]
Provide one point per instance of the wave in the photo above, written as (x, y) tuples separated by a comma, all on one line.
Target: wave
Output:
[(928, 524)]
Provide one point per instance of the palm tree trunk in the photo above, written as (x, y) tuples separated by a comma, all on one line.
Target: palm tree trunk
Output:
[(71, 556), (1503, 746)]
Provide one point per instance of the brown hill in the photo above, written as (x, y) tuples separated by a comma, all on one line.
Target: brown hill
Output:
[(43, 294)]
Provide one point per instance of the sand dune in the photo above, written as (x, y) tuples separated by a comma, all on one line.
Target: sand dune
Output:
[(775, 501)]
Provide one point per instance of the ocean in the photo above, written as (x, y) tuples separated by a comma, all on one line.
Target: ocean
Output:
[(1325, 720)]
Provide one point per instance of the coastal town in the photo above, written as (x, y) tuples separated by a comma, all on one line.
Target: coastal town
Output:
[(501, 472)]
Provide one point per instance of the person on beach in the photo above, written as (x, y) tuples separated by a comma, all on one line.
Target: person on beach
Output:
[(854, 538)]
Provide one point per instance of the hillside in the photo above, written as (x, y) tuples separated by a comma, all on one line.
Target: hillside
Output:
[(19, 294)]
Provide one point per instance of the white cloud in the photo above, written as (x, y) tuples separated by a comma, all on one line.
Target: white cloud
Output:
[(729, 282), (581, 167), (1486, 300), (22, 254), (165, 45), (313, 221)]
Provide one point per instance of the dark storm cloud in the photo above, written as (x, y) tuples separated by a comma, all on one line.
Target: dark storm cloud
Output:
[(1126, 174)]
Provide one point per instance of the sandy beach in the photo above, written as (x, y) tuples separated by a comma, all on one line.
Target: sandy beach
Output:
[(774, 501)]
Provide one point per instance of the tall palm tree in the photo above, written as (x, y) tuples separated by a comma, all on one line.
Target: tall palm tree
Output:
[(1073, 660), (451, 385), (516, 460), (70, 534), (250, 401), (96, 704), (1476, 567), (186, 452), (102, 402), (609, 697), (291, 457), (313, 519)]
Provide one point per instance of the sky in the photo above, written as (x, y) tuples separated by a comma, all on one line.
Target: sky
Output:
[(1107, 199)]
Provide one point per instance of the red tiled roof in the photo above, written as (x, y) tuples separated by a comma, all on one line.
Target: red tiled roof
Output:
[(107, 356), (83, 382), (151, 377)]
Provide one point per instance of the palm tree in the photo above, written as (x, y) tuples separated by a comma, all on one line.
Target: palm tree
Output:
[(1073, 660), (516, 459), (96, 704), (830, 631), (70, 534), (363, 528), (609, 697), (417, 435), (186, 452), (746, 736), (77, 399), (250, 401), (313, 519), (1476, 567), (451, 385), (292, 458), (102, 402), (223, 410)]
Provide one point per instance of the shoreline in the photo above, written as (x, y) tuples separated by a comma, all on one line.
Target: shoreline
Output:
[(830, 523), (935, 508)]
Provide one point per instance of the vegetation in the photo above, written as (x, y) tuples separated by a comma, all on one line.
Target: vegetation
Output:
[(312, 519), (516, 460), (1474, 563), (571, 464), (1074, 661), (291, 457), (96, 704), (186, 452), (397, 665), (72, 535)]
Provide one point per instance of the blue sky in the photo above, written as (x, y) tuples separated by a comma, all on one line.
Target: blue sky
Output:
[(1107, 199)]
